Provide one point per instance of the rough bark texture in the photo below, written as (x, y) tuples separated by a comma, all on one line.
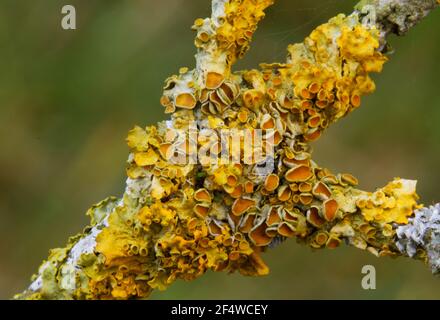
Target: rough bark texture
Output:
[(396, 16), (178, 219)]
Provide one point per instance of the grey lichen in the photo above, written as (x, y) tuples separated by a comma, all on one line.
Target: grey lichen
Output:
[(396, 16), (178, 221), (422, 232)]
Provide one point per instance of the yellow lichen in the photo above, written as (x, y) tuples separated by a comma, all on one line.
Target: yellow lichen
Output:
[(180, 218)]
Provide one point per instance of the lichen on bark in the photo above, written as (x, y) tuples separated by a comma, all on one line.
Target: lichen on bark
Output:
[(178, 219)]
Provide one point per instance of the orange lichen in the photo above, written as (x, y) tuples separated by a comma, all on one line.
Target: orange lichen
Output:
[(321, 191), (313, 217), (241, 205), (271, 183), (258, 235), (179, 218), (213, 80), (202, 195), (299, 173), (330, 208), (185, 100)]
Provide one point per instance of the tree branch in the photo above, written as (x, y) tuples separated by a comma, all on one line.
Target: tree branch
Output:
[(185, 211)]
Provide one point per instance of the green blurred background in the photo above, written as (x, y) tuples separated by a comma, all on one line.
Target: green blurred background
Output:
[(68, 98)]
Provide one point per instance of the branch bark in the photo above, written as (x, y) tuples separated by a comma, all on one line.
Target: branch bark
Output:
[(178, 219)]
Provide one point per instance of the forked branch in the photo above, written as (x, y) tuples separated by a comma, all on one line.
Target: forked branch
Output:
[(195, 201)]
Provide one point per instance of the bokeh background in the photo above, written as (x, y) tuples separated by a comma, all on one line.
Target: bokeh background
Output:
[(68, 98)]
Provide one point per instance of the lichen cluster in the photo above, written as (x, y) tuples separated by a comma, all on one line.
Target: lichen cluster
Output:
[(421, 238), (177, 220)]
